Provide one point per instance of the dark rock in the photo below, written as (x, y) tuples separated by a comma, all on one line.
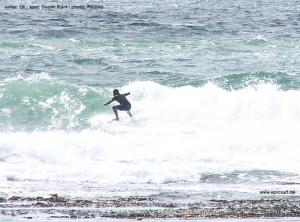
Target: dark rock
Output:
[(15, 198), (41, 204)]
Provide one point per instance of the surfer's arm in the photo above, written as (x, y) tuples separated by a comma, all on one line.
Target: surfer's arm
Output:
[(109, 102), (126, 94)]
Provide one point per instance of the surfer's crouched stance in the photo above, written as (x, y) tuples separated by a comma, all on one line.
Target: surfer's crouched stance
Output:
[(124, 103)]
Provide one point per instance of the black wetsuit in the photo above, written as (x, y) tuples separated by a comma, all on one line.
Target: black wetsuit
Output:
[(124, 103)]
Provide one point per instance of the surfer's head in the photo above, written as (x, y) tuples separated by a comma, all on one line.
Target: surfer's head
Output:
[(116, 92)]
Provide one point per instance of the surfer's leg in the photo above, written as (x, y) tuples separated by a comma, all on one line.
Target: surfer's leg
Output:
[(128, 110), (116, 112), (129, 113)]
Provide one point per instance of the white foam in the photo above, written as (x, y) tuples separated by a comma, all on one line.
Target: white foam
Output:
[(176, 134), (32, 78)]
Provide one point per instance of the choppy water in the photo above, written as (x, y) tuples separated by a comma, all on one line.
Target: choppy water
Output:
[(214, 89)]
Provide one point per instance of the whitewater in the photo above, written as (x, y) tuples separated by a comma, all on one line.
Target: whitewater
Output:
[(182, 135)]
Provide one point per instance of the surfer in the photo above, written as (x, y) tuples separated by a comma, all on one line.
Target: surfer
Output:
[(124, 103)]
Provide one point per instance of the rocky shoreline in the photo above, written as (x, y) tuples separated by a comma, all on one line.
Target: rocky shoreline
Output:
[(137, 207)]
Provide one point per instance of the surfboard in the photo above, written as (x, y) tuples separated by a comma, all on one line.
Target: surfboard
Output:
[(103, 120), (123, 120)]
